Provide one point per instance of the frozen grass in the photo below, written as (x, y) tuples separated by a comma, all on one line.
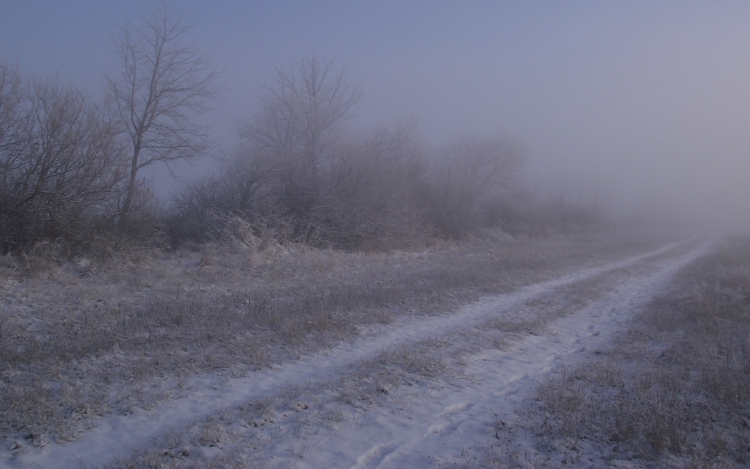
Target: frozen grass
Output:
[(81, 339), (397, 378), (674, 391)]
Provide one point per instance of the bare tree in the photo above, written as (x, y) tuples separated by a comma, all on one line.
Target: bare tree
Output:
[(163, 83), (59, 160), (302, 114)]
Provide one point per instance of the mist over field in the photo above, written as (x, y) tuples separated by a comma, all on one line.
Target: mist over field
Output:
[(387, 234), (639, 108)]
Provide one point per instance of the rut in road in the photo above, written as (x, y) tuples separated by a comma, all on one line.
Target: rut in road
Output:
[(451, 419), (117, 436)]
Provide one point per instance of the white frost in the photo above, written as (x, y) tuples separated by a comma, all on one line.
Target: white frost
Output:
[(441, 421)]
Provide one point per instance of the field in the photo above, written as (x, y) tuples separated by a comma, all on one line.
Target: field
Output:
[(491, 352)]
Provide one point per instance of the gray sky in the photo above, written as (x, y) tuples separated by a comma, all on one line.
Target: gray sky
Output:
[(646, 103)]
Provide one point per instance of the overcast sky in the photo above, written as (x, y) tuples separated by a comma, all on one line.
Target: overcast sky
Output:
[(644, 102)]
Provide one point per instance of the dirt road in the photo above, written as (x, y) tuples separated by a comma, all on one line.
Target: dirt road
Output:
[(409, 394)]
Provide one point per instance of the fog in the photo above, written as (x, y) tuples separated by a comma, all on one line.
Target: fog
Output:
[(642, 107)]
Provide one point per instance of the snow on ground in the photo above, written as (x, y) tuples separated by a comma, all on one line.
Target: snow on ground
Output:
[(448, 420), (420, 425)]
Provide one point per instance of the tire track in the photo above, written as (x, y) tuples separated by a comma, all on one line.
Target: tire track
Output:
[(118, 436), (448, 420)]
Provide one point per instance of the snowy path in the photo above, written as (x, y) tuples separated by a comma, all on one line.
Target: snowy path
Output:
[(498, 382), (445, 419)]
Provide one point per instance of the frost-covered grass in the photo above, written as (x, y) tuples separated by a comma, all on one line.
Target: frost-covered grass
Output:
[(672, 391), (304, 424), (80, 340)]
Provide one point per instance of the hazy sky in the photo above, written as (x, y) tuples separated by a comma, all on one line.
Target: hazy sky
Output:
[(649, 101)]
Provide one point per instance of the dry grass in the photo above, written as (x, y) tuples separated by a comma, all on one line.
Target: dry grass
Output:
[(396, 375), (410, 365), (206, 451), (674, 391), (83, 339), (247, 432)]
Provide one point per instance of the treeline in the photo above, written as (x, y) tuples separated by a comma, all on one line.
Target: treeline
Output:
[(301, 174), (70, 165)]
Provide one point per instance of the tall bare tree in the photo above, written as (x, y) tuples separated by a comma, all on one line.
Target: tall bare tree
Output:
[(302, 114), (162, 85)]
